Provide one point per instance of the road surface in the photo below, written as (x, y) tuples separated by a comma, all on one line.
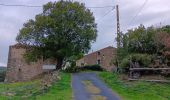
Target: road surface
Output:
[(87, 86)]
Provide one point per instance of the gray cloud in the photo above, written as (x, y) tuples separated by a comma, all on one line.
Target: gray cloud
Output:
[(154, 12)]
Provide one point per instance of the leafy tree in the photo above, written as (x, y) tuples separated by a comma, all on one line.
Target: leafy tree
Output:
[(143, 42), (162, 41), (138, 40), (62, 30), (165, 29)]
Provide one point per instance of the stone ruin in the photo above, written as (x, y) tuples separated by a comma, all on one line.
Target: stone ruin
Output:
[(20, 70)]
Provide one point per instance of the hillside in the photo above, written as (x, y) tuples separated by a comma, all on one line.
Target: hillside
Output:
[(2, 73)]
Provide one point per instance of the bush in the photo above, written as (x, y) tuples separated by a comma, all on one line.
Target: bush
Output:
[(124, 63), (71, 67), (74, 69), (92, 67), (2, 76), (143, 59)]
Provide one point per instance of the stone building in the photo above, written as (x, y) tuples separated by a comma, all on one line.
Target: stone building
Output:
[(18, 69), (102, 57)]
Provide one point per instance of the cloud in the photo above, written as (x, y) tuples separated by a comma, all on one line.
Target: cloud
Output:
[(154, 12), (2, 64)]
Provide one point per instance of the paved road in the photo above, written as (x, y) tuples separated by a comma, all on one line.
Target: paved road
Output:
[(87, 86)]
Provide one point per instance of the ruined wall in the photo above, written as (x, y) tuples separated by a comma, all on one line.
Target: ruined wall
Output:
[(102, 57), (18, 69)]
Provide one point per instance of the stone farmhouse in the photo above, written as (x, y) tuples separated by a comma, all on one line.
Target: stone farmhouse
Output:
[(101, 57), (20, 70)]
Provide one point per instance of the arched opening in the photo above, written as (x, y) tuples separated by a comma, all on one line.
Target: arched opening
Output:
[(19, 74)]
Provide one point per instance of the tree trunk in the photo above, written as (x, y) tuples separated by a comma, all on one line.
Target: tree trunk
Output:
[(59, 63)]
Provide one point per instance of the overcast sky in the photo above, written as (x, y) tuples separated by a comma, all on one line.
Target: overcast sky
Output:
[(153, 12)]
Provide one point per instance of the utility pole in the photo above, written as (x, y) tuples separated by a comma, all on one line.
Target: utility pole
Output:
[(118, 26), (118, 34)]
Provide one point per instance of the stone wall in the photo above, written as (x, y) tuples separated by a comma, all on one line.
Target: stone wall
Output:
[(102, 57), (18, 69)]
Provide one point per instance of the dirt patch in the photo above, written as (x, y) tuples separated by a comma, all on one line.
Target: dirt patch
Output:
[(91, 88), (98, 97)]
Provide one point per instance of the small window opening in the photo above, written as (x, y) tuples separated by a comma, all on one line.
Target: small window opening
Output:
[(98, 62), (98, 53), (19, 69)]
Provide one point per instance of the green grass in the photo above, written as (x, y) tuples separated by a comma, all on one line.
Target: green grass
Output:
[(136, 90), (60, 90), (18, 91)]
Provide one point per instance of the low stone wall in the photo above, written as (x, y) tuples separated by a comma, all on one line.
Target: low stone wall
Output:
[(49, 78)]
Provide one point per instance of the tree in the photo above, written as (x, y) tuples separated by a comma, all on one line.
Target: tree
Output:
[(162, 40), (142, 43), (140, 40), (62, 30)]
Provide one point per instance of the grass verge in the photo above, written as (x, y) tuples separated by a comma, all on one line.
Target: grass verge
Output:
[(60, 90), (136, 90), (18, 91)]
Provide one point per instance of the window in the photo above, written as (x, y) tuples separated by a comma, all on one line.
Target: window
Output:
[(98, 53), (19, 69), (98, 62), (103, 56)]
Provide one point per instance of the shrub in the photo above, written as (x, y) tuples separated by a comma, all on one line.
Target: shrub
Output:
[(124, 63), (74, 69), (2, 76), (71, 67), (143, 59), (92, 67)]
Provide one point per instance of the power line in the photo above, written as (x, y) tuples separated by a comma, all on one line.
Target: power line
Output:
[(106, 14), (18, 5), (139, 11), (102, 7), (37, 6)]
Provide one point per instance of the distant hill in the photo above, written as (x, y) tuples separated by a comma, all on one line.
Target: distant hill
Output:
[(2, 73)]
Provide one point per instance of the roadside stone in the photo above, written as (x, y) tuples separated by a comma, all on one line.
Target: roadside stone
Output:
[(49, 78), (8, 93)]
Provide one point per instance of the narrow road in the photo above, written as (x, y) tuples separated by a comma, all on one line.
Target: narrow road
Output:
[(87, 86)]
